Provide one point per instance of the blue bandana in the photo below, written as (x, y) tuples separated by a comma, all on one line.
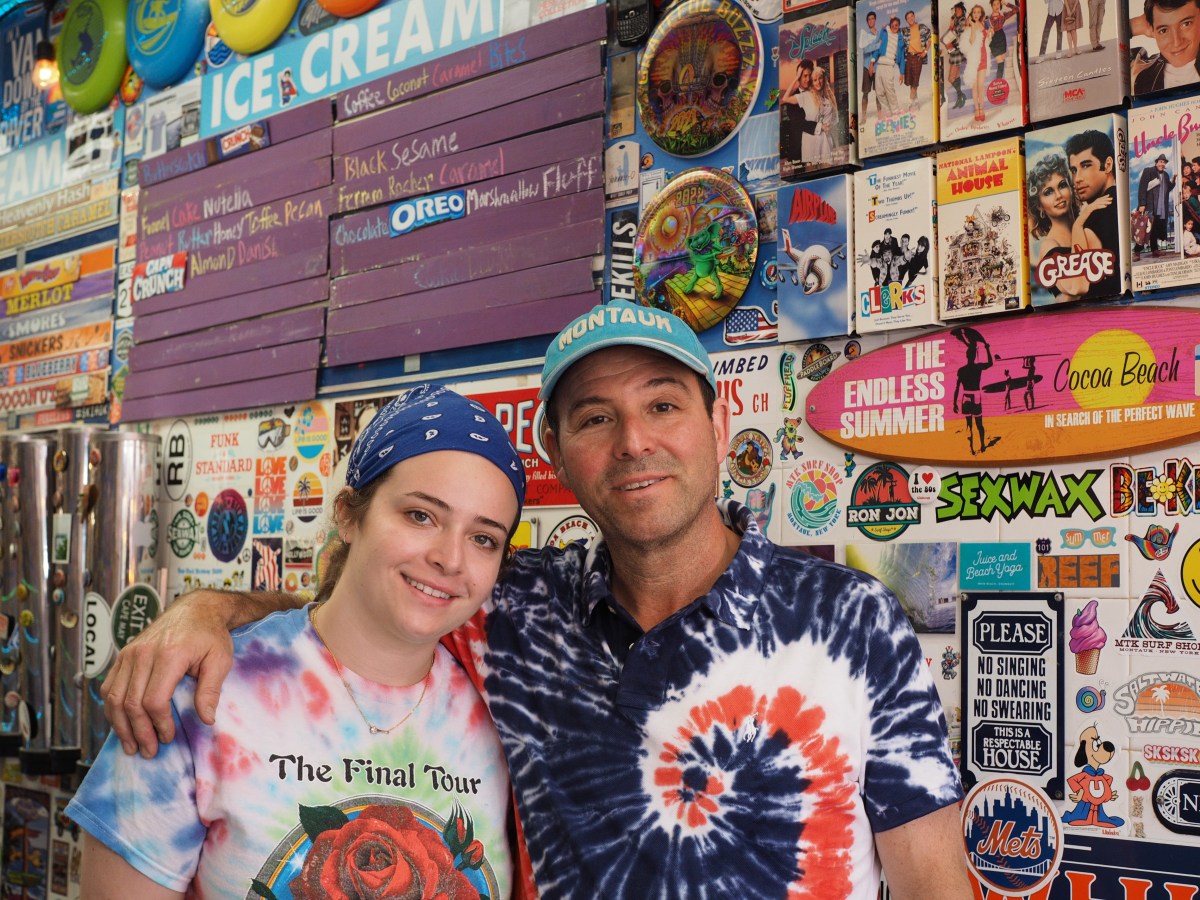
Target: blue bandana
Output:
[(427, 419)]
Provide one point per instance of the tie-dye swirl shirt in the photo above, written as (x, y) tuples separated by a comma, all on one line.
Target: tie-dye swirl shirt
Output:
[(748, 746), (289, 796)]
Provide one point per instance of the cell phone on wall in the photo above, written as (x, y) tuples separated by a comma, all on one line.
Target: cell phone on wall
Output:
[(635, 18)]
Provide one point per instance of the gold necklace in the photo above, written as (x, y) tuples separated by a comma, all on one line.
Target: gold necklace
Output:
[(371, 726)]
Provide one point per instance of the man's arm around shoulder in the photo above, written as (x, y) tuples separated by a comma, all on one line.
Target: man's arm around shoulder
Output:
[(190, 638)]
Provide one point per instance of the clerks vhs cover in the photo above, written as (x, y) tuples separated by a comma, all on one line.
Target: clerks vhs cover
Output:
[(816, 258), (982, 87), (981, 229), (897, 75), (816, 90), (895, 244), (1076, 194), (1164, 194), (1078, 56)]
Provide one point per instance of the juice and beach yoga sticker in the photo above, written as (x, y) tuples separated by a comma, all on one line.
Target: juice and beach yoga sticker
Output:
[(696, 246), (699, 76), (1034, 389)]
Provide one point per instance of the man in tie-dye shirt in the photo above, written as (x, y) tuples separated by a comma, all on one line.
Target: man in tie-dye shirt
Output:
[(687, 709)]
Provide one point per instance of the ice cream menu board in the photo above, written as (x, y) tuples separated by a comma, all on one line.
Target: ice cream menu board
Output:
[(1012, 687)]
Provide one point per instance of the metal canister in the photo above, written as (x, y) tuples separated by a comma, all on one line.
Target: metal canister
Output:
[(68, 570), (10, 732), (30, 478), (120, 515)]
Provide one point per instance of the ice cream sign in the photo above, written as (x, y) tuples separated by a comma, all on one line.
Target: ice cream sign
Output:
[(1012, 707), (1035, 388)]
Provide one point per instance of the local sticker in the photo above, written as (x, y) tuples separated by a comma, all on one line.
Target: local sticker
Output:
[(1013, 837), (572, 529), (98, 648), (749, 459)]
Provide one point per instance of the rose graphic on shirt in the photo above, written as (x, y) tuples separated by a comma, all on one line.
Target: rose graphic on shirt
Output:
[(384, 850)]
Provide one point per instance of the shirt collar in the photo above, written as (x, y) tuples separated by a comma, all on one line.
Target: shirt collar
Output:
[(734, 596)]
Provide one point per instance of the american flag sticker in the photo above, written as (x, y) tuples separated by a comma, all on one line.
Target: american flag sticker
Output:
[(749, 324)]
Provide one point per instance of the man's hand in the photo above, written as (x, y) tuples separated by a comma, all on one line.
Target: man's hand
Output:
[(190, 638)]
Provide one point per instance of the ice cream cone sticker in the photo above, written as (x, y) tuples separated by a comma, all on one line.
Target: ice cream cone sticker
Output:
[(1087, 638)]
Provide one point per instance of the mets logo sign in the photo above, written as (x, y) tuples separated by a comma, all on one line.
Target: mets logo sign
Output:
[(1013, 838), (881, 505)]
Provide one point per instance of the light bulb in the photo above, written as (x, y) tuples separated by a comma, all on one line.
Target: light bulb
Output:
[(45, 70)]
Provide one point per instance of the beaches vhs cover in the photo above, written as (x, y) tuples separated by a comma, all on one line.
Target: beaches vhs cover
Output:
[(897, 76)]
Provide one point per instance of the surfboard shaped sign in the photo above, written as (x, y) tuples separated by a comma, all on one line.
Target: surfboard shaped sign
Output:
[(1033, 389)]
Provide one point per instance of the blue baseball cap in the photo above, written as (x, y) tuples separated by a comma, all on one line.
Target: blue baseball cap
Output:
[(620, 323)]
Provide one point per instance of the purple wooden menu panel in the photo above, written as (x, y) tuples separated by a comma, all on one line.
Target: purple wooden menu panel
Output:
[(474, 62), (555, 280), (280, 220), (557, 107), (297, 386), (281, 129), (158, 219), (441, 332), (237, 337), (584, 239), (199, 316), (253, 365), (275, 160), (297, 266), (482, 164), (456, 104), (518, 204)]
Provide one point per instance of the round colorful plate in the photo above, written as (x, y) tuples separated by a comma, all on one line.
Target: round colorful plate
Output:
[(91, 53), (699, 75), (346, 9), (248, 26), (696, 247), (165, 37)]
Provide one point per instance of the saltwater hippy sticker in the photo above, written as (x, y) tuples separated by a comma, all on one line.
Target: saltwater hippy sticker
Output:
[(1032, 389), (699, 76), (696, 247), (1012, 660)]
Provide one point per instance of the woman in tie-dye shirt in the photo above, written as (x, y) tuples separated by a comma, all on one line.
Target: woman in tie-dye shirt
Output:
[(351, 756)]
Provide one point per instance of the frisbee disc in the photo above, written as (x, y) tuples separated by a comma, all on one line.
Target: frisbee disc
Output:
[(164, 38), (347, 9), (699, 76), (696, 246), (91, 53), (248, 26)]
